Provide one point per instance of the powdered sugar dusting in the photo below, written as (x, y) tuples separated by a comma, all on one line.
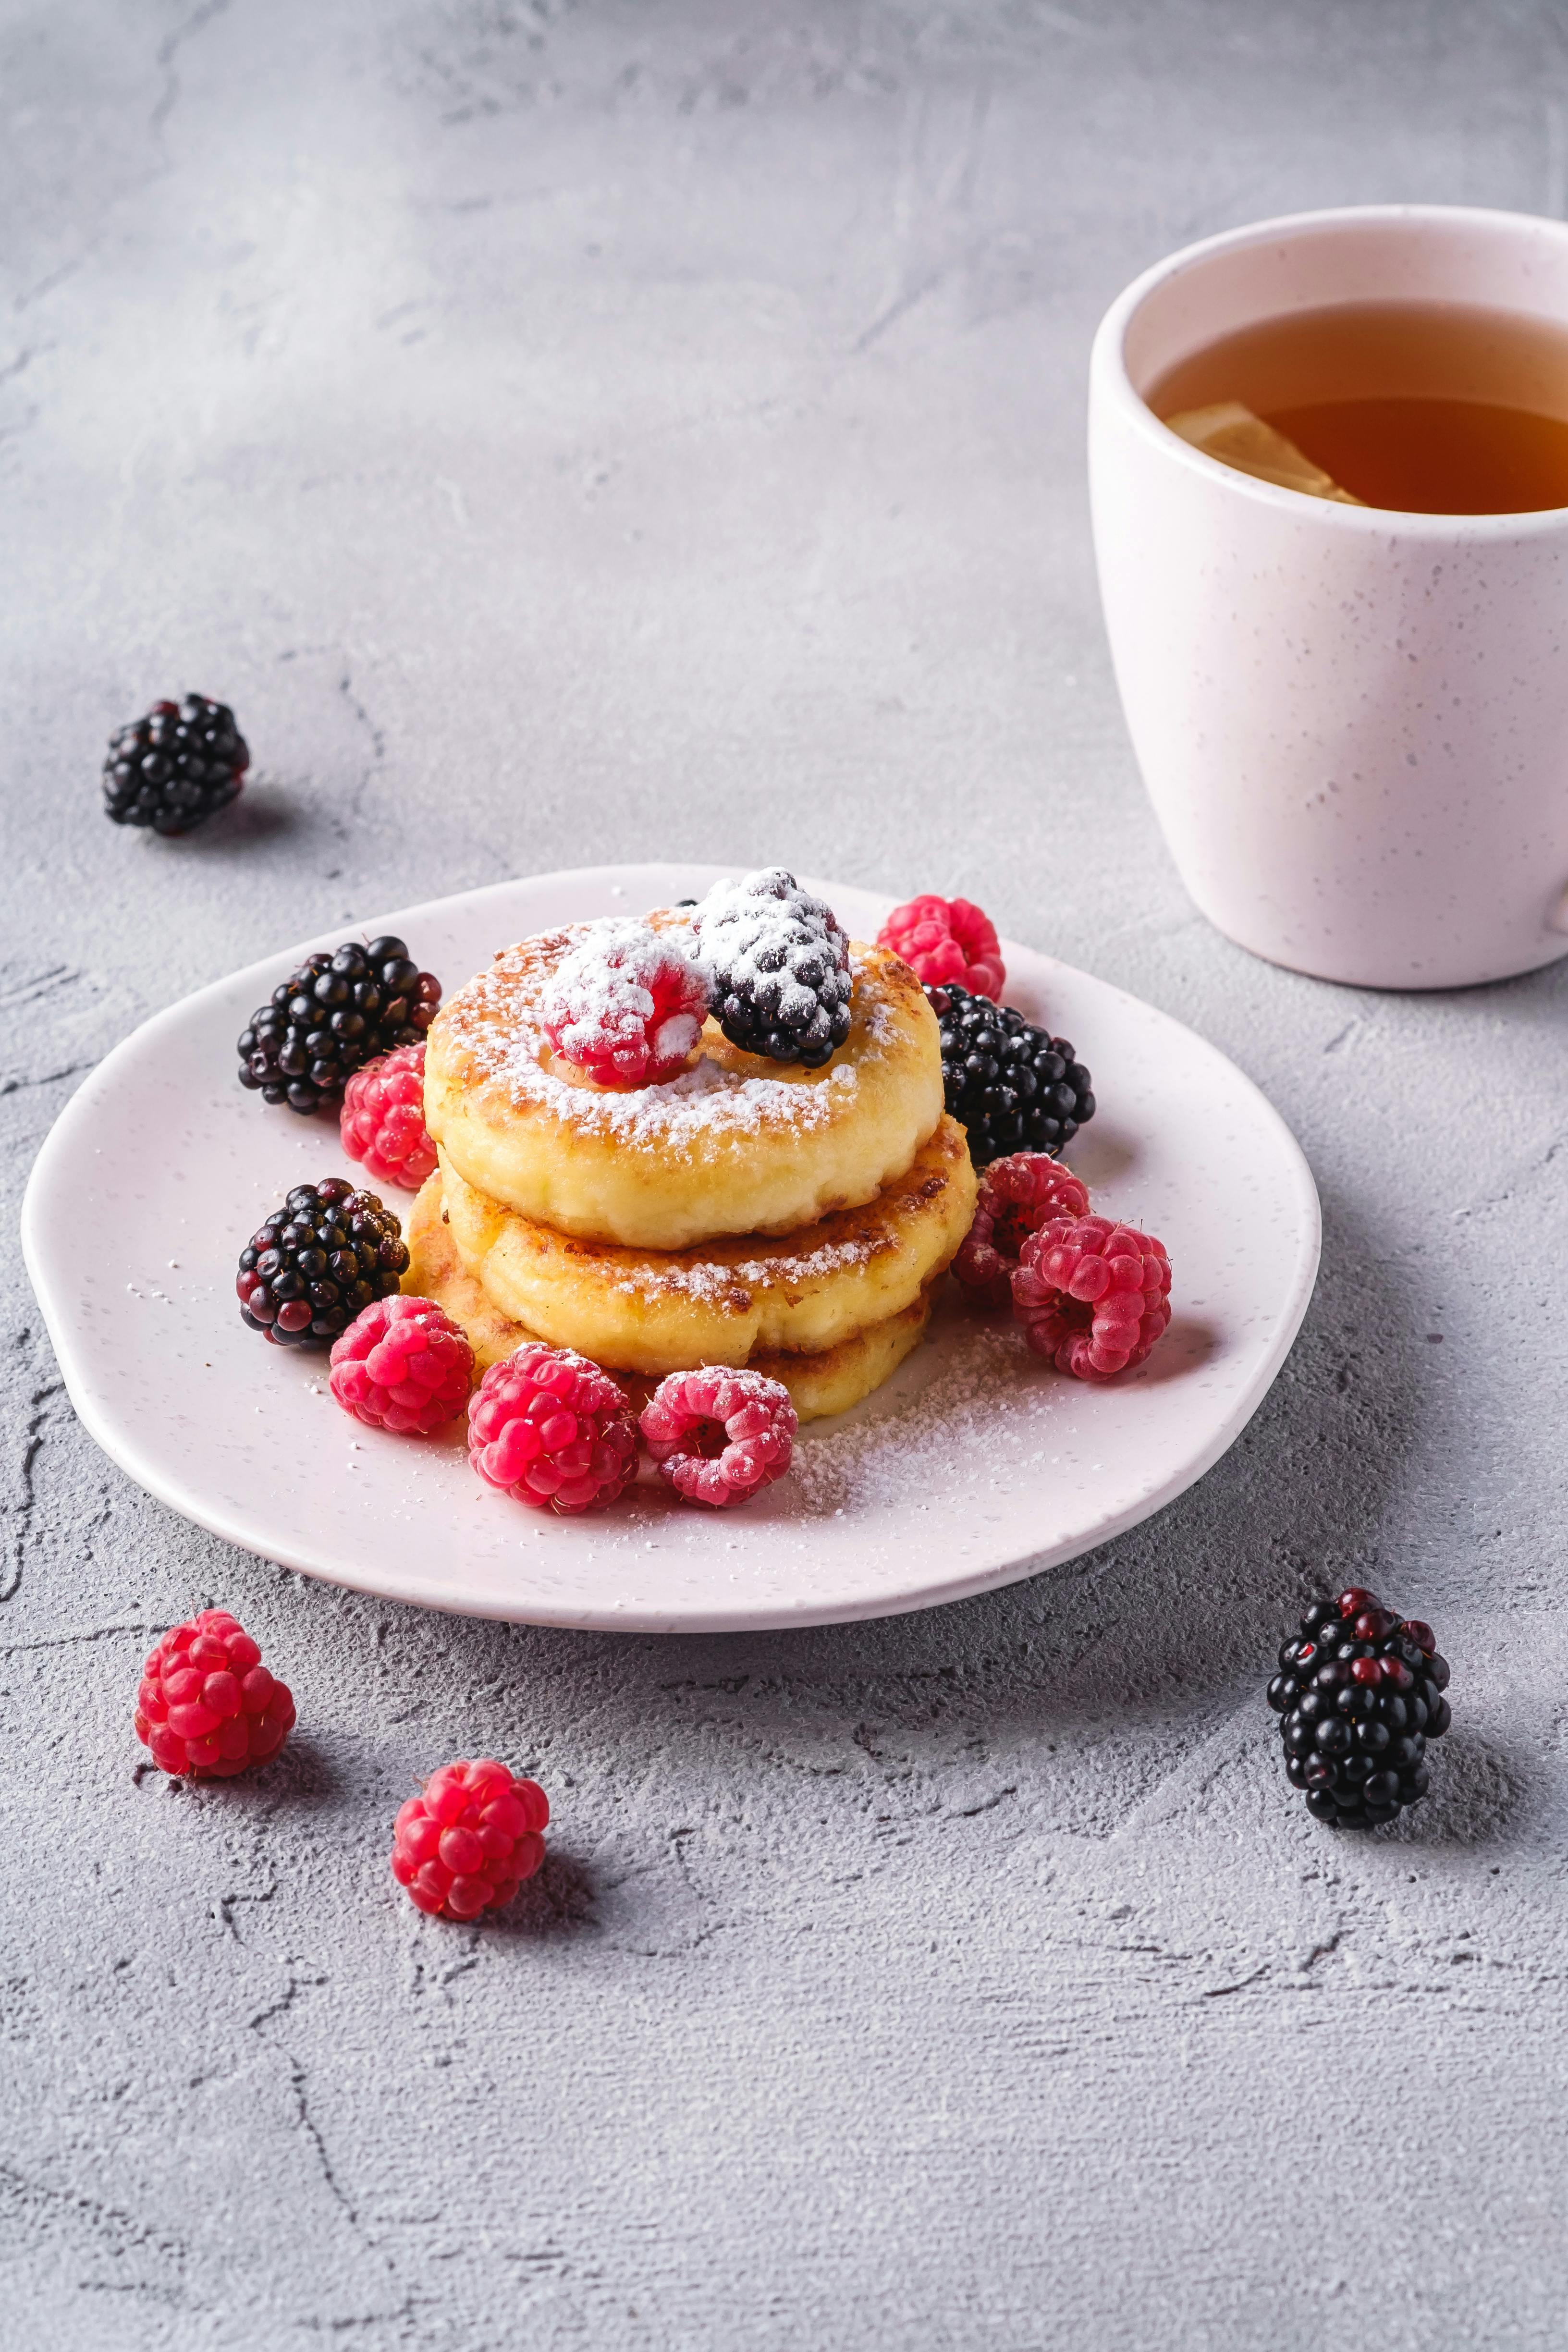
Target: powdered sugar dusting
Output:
[(715, 1278), (776, 951), (978, 1421), (603, 1003), (497, 1022)]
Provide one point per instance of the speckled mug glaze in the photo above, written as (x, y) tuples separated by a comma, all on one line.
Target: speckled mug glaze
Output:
[(1353, 723)]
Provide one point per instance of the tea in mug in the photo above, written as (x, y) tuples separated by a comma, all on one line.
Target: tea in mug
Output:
[(1423, 407)]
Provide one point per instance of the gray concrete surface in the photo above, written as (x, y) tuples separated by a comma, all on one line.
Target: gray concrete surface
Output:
[(655, 426)]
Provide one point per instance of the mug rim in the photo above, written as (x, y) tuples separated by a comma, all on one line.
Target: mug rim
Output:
[(1110, 381)]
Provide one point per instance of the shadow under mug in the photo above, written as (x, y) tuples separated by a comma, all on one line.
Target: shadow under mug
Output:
[(1353, 723)]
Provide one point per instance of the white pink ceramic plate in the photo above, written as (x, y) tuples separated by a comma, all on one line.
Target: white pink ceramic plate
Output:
[(972, 1467)]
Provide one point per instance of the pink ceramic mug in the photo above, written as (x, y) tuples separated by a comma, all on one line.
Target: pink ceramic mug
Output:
[(1353, 723)]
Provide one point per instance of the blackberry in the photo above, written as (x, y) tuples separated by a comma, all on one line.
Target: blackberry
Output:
[(331, 1016), (1015, 1087), (328, 1253), (176, 767), (777, 966), (1359, 1694)]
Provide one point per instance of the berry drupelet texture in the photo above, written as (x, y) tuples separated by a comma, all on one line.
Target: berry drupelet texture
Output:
[(626, 1006), (777, 966), (317, 1262), (1359, 1693), (1017, 1195), (468, 1840), (1093, 1297), (719, 1436), (176, 767), (382, 1123), (1013, 1087), (330, 1018), (946, 940), (405, 1365), (553, 1430), (207, 1706)]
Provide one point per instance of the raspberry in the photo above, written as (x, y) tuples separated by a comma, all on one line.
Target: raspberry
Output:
[(403, 1365), (1360, 1693), (382, 1119), (553, 1430), (719, 1436), (945, 939), (1091, 1296), (1017, 1196), (625, 1005), (207, 1706), (467, 1842)]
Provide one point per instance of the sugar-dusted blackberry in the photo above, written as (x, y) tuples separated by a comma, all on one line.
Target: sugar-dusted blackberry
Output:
[(331, 1016), (176, 767), (1013, 1086), (777, 966), (1359, 1694), (317, 1262)]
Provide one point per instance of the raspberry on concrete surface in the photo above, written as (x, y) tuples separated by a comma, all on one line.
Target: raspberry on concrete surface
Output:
[(382, 1123), (718, 1436), (328, 1019), (625, 1005), (405, 1365), (1360, 1692), (1017, 1195), (176, 767), (947, 940), (553, 1430), (468, 1840), (1093, 1297), (207, 1706)]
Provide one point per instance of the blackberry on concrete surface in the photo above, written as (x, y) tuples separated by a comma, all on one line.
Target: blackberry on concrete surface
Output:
[(1359, 1694), (176, 767), (317, 1262), (1014, 1087), (777, 966), (331, 1016)]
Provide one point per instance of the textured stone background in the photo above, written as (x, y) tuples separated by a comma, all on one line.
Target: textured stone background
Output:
[(656, 427)]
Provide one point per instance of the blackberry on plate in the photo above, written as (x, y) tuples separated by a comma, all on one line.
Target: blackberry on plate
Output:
[(777, 966), (1014, 1087), (331, 1016), (317, 1262), (176, 767), (1360, 1692)]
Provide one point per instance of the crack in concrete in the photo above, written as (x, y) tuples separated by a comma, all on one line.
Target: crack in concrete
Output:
[(377, 748), (168, 50), (40, 1405)]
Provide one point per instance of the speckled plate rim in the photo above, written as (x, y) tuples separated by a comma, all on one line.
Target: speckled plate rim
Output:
[(577, 1572)]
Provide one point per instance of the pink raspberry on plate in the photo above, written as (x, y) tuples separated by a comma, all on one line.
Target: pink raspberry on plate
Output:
[(624, 1005), (207, 1704), (403, 1365), (383, 1119), (468, 1840), (945, 940), (1091, 1296), (553, 1430), (1017, 1195), (719, 1436)]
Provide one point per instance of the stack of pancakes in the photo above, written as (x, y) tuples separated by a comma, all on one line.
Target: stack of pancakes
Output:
[(747, 1212)]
